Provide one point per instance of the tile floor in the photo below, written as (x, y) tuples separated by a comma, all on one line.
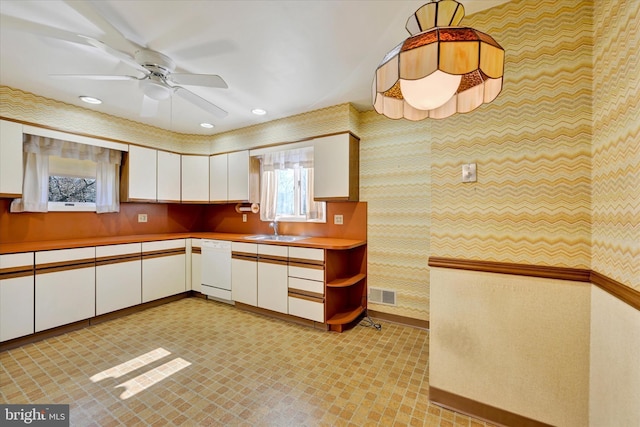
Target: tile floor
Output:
[(202, 363)]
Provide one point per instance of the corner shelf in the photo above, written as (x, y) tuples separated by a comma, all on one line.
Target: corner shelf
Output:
[(344, 282), (345, 287), (339, 320)]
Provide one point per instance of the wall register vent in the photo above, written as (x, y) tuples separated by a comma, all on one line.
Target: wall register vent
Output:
[(382, 296)]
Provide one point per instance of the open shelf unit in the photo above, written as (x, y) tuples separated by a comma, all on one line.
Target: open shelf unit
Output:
[(346, 287)]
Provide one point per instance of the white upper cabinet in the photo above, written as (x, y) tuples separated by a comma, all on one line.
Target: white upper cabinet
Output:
[(238, 183), (139, 175), (336, 161), (195, 179), (218, 178), (168, 177), (10, 159), (150, 175), (234, 177)]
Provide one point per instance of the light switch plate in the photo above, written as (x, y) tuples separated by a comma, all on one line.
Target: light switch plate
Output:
[(142, 217), (337, 219), (469, 172)]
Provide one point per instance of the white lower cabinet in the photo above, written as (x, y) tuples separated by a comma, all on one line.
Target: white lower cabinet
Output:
[(272, 277), (244, 273), (306, 283), (65, 289), (163, 269), (118, 277), (16, 295), (196, 265)]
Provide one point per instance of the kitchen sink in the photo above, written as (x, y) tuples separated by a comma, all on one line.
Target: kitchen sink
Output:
[(275, 238)]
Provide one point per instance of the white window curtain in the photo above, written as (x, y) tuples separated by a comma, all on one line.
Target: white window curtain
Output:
[(35, 192), (270, 162)]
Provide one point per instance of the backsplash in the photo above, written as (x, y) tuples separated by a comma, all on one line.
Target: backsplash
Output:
[(162, 218)]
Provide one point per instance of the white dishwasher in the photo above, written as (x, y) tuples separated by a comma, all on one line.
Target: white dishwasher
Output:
[(216, 269)]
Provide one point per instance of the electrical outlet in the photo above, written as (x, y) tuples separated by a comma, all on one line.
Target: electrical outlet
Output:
[(142, 217), (337, 219), (244, 217)]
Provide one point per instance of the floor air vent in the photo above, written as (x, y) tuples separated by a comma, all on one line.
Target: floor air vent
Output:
[(382, 296)]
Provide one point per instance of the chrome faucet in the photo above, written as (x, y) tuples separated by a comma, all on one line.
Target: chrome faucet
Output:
[(274, 225)]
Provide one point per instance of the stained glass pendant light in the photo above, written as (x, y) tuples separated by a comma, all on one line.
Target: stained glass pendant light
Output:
[(442, 69)]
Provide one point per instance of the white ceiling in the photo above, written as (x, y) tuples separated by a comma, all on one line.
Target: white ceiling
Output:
[(287, 57)]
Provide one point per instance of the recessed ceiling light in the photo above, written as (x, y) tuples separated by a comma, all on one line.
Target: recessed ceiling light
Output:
[(91, 100), (206, 125), (259, 111)]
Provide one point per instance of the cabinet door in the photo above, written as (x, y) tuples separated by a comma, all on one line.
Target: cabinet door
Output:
[(244, 273), (118, 277), (168, 177), (66, 292), (238, 176), (16, 295), (336, 168), (272, 278), (218, 178), (10, 159), (163, 269), (195, 179), (16, 307), (64, 297), (244, 281), (141, 168)]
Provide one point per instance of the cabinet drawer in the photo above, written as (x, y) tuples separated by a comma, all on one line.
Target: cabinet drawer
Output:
[(306, 285), (164, 245), (306, 309), (115, 250), (273, 250), (250, 248), (24, 259), (306, 272), (65, 255), (299, 254)]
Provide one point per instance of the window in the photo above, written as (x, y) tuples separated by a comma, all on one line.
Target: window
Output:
[(292, 194), (58, 172), (72, 184), (286, 188)]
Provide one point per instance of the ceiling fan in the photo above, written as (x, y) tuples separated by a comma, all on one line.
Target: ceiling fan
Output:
[(158, 80)]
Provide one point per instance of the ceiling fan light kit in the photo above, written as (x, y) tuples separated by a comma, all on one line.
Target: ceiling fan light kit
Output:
[(441, 69), (155, 88)]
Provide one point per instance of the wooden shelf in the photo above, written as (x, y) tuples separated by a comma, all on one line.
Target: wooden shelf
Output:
[(345, 317), (344, 282)]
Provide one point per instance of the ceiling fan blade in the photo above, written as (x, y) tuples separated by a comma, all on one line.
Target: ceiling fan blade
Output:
[(149, 107), (122, 56), (22, 25), (92, 11), (117, 22), (200, 102), (92, 77), (207, 80)]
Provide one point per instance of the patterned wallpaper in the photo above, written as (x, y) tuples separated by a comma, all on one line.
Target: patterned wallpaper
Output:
[(395, 182), (532, 146), (616, 141)]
